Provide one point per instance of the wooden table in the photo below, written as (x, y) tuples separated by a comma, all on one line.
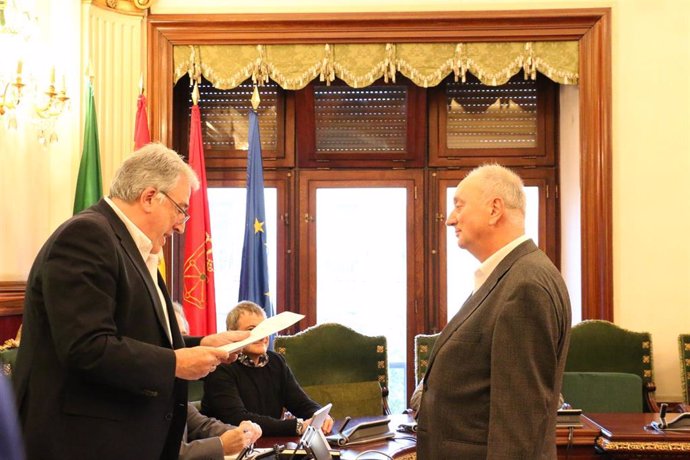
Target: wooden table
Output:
[(578, 443), (402, 447), (572, 444), (629, 436)]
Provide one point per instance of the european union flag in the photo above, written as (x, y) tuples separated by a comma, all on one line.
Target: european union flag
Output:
[(254, 273)]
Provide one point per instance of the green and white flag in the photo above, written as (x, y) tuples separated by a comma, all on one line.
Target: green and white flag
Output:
[(89, 186)]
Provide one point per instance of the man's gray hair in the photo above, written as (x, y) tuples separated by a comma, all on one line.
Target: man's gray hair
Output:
[(243, 307), (497, 180), (153, 165)]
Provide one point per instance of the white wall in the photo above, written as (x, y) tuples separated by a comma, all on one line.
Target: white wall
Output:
[(35, 179)]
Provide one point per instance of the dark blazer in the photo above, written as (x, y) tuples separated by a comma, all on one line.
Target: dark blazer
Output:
[(491, 389), (95, 372)]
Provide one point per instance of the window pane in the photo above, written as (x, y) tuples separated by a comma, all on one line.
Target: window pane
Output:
[(227, 207), (350, 120), (488, 117), (461, 265), (362, 269)]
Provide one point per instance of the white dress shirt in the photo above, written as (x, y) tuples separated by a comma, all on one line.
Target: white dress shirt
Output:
[(144, 245)]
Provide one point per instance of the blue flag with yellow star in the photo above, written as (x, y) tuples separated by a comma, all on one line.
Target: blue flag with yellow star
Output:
[(254, 273)]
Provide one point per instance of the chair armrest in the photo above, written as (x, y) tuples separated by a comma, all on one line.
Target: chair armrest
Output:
[(384, 398), (648, 391)]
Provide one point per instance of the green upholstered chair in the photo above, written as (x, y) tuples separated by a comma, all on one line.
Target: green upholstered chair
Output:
[(601, 346), (603, 391), (336, 364), (8, 356), (195, 392), (423, 344), (8, 353), (684, 349)]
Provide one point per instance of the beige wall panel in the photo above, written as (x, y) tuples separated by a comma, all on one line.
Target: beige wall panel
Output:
[(114, 44)]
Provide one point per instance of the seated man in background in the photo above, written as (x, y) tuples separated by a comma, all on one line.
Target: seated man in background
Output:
[(259, 386), (206, 438)]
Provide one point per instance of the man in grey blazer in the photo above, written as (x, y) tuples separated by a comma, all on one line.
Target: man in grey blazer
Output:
[(102, 368), (494, 376), (206, 438)]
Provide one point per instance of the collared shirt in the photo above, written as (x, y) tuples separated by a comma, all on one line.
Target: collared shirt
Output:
[(144, 245), (488, 266), (247, 361)]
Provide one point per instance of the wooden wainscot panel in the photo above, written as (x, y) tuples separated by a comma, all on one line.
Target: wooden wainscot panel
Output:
[(11, 297)]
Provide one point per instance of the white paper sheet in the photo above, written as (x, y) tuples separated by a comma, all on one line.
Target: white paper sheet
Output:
[(264, 329)]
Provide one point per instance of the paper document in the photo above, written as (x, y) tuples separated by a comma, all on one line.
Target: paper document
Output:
[(264, 329)]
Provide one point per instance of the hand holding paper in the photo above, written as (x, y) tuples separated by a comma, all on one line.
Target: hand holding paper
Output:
[(267, 327)]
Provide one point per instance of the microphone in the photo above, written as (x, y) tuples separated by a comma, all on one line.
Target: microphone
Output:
[(342, 428), (342, 438), (662, 414)]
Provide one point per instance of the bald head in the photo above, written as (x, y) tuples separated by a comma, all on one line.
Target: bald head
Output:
[(489, 210)]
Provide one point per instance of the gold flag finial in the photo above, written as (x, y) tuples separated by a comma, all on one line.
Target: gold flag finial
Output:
[(89, 71), (195, 94), (141, 84), (256, 99)]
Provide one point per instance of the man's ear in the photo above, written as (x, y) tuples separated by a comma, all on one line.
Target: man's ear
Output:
[(146, 198), (496, 210)]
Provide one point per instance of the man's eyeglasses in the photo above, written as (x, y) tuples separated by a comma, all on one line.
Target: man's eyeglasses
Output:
[(179, 208)]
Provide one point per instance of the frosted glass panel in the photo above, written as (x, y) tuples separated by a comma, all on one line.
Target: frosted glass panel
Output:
[(461, 265), (362, 269), (227, 210)]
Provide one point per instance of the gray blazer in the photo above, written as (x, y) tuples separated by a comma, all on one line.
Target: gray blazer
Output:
[(201, 438), (491, 389)]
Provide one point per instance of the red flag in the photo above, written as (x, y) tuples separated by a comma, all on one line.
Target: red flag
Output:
[(141, 138), (141, 124), (198, 296)]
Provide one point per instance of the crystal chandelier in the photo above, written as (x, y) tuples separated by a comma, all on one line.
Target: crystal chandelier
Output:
[(24, 96)]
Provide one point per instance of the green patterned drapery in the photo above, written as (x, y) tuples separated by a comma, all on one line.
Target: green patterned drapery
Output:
[(359, 65)]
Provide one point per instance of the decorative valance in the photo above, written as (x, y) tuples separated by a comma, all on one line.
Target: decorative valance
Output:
[(426, 64)]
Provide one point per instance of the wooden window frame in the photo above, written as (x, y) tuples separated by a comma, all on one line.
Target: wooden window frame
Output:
[(591, 27), (543, 154), (283, 181), (413, 181), (549, 228), (414, 156), (283, 156)]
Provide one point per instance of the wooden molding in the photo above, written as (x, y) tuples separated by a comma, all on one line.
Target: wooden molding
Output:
[(590, 26), (11, 297), (595, 171), (430, 27)]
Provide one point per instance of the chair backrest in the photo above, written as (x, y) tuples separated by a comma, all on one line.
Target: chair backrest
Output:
[(603, 391), (195, 392), (601, 346), (423, 344), (684, 349), (334, 363)]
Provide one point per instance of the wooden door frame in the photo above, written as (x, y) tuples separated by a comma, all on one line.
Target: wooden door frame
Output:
[(591, 27)]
